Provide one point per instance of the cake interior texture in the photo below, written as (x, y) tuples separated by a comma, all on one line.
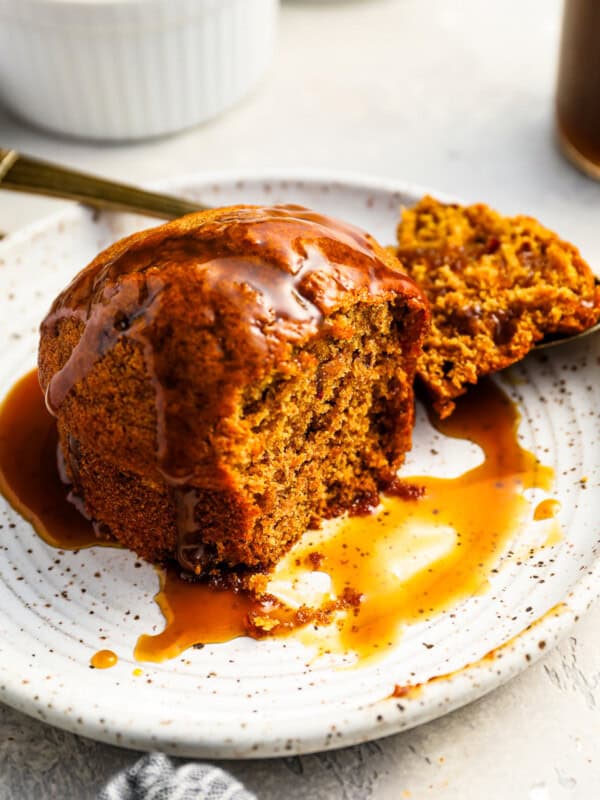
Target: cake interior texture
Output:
[(199, 421), (496, 286)]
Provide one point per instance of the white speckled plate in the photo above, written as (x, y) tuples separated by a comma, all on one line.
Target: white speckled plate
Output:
[(249, 698)]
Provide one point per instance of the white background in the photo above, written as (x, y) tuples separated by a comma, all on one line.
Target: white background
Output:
[(455, 95)]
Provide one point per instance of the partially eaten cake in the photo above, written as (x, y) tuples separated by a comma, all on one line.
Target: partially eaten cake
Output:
[(496, 286), (223, 381)]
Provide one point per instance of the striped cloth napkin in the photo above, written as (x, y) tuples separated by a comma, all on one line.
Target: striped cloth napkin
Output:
[(154, 777)]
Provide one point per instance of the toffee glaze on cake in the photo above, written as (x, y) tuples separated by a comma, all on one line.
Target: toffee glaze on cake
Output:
[(228, 379)]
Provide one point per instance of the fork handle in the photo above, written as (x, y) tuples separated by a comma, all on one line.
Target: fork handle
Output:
[(22, 173)]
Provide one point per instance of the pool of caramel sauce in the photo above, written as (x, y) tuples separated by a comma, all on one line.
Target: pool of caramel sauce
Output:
[(417, 554)]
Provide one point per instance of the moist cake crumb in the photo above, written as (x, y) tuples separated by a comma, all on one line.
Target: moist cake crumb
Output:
[(496, 285)]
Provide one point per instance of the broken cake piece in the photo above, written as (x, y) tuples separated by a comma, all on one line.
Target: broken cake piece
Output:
[(496, 285)]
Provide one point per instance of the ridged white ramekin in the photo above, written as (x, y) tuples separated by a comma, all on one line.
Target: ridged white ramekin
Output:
[(130, 69)]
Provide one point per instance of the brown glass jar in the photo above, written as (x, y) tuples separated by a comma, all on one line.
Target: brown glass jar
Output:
[(578, 92)]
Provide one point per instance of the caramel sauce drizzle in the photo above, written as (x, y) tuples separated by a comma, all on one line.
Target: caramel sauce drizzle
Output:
[(194, 614), (464, 523), (103, 659), (546, 509), (418, 554), (29, 477), (316, 259)]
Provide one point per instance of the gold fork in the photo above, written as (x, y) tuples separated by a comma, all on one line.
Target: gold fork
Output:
[(23, 173)]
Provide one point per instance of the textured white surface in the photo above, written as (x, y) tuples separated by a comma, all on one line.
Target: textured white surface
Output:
[(456, 95)]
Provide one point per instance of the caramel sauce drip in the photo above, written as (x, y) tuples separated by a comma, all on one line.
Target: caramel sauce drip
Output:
[(29, 477), (103, 659), (546, 509), (194, 613), (422, 551)]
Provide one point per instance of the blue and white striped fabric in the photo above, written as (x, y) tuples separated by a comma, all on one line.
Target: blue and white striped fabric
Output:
[(154, 777)]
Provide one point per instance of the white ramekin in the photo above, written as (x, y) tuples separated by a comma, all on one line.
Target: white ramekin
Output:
[(130, 69)]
